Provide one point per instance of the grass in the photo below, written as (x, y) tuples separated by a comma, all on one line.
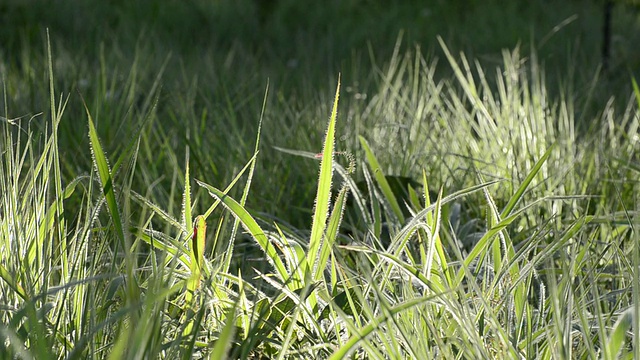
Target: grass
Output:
[(158, 203)]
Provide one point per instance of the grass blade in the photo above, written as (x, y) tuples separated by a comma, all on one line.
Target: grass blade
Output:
[(256, 232), (222, 345), (332, 232), (186, 202), (382, 181), (324, 190), (106, 178), (513, 201), (247, 186)]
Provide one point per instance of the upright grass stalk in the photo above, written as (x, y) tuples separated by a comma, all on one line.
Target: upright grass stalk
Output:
[(56, 116), (318, 242)]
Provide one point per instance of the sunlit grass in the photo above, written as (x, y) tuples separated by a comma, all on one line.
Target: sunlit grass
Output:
[(517, 237)]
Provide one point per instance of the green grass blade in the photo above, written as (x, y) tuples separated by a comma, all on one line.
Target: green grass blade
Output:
[(618, 336), (245, 193), (332, 233), (435, 243), (106, 179), (159, 211), (256, 232), (223, 344), (186, 203), (382, 181), (228, 188), (12, 283), (513, 201), (636, 90), (323, 194), (376, 212), (173, 248), (487, 239)]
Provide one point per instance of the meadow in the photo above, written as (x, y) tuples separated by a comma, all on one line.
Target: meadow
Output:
[(353, 179)]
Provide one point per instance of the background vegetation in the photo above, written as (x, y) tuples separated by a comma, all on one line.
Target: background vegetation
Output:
[(123, 120)]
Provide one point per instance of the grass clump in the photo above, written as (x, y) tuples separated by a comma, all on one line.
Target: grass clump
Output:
[(517, 240)]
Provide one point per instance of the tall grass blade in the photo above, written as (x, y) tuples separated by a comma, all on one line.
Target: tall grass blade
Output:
[(106, 179), (186, 203), (56, 116), (108, 190), (321, 207), (245, 193)]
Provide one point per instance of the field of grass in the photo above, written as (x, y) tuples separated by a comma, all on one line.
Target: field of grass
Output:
[(360, 179)]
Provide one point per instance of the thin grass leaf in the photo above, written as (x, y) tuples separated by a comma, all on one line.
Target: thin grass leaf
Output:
[(435, 243), (636, 90), (425, 281), (301, 153), (162, 242), (223, 344), (186, 203), (382, 181), (56, 117), (245, 192), (228, 188), (160, 212), (483, 244), (294, 254), (376, 212), (513, 201), (12, 283), (492, 218)]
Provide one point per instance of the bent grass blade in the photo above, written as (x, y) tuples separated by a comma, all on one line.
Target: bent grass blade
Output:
[(256, 232)]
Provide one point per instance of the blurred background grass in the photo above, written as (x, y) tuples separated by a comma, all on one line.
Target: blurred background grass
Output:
[(199, 69)]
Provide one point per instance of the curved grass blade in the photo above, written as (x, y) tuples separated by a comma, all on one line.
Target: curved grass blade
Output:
[(618, 336), (375, 323), (256, 232), (382, 181), (162, 242)]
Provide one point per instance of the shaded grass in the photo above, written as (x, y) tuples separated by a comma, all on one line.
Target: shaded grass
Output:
[(528, 249)]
